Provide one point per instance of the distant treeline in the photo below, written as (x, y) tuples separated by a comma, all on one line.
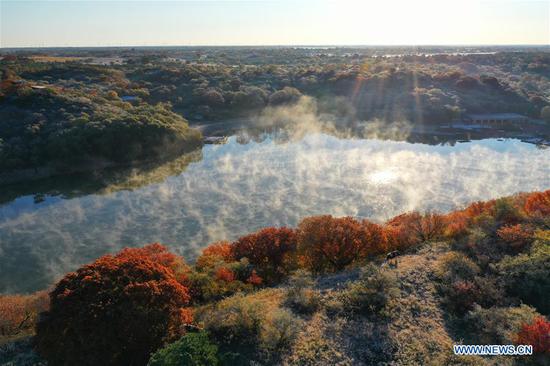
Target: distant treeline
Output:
[(66, 111)]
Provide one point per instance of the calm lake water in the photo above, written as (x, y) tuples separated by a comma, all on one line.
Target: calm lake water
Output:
[(225, 191)]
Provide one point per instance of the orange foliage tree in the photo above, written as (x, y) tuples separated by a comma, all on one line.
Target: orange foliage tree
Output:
[(538, 204), (254, 279), (225, 274), (117, 310), (158, 253), (536, 334), (456, 224), (328, 243), (267, 250), (220, 252), (516, 236), (412, 228), (19, 313)]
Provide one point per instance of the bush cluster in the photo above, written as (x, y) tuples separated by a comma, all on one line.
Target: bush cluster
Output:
[(153, 297)]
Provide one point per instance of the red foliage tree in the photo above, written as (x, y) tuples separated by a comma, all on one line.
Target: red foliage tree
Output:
[(158, 253), (225, 274), (462, 295), (254, 279), (215, 253), (328, 243), (479, 208), (115, 311), (456, 224), (538, 204), (536, 334), (517, 237), (412, 228), (267, 250)]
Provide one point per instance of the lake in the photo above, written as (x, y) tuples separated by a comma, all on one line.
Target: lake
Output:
[(224, 191)]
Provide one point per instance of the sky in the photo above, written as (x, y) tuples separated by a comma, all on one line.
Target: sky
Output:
[(46, 23)]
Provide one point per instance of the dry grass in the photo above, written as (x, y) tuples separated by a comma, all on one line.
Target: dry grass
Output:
[(414, 333)]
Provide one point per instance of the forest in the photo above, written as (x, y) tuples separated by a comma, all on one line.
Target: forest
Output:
[(323, 291), (94, 107)]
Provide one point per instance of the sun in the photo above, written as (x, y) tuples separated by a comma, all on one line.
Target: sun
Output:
[(385, 176)]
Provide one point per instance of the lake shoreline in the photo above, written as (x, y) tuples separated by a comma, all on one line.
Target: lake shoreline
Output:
[(98, 165)]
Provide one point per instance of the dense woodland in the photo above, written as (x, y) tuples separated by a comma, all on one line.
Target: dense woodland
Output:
[(125, 105), (319, 293)]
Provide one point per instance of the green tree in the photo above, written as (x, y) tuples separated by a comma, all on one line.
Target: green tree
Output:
[(194, 349)]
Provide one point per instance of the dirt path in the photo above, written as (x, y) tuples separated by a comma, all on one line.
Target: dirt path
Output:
[(417, 324)]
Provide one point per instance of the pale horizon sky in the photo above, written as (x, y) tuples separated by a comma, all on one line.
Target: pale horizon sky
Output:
[(75, 23)]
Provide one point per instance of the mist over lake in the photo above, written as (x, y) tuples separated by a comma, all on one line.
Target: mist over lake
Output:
[(231, 189)]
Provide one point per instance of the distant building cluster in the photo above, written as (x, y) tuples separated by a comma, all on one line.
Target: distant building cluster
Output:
[(495, 119)]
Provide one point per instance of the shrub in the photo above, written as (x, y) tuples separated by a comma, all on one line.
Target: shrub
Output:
[(158, 253), (202, 287), (267, 250), (412, 228), (398, 232), (19, 313), (193, 349), (254, 279), (537, 334), (278, 332), (249, 327), (455, 266), (235, 321), (371, 293), (284, 96), (301, 297), (215, 254), (328, 243), (225, 274), (497, 325), (461, 295), (117, 310), (215, 285), (538, 204), (506, 212), (479, 245), (20, 352), (528, 275), (456, 225), (517, 237)]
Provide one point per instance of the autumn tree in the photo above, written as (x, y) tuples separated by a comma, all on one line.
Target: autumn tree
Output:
[(328, 243), (158, 253), (267, 250), (225, 274), (412, 228), (456, 224), (517, 237), (114, 311), (19, 313), (254, 279), (536, 334), (538, 204), (216, 253)]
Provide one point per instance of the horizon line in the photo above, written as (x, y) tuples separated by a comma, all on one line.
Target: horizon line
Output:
[(289, 45)]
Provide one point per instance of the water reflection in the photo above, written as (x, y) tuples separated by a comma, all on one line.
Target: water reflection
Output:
[(237, 188), (98, 182)]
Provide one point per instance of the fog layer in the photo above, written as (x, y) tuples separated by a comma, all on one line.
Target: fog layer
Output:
[(237, 188)]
